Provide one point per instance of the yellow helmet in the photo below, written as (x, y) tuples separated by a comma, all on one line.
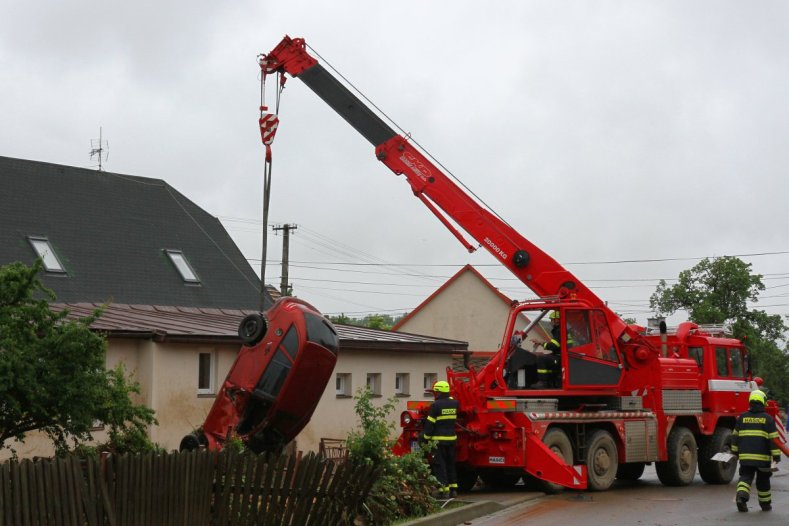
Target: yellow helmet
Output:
[(554, 315), (441, 387), (757, 396)]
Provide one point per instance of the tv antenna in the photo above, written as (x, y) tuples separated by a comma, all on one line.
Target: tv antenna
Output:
[(100, 148)]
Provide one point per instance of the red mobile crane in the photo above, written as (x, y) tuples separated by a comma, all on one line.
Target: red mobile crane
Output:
[(622, 397)]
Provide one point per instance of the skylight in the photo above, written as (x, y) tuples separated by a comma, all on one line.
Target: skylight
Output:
[(183, 266), (44, 250)]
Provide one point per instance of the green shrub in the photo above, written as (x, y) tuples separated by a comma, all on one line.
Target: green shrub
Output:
[(403, 486)]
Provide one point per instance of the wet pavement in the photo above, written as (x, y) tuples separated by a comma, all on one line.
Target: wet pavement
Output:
[(643, 503)]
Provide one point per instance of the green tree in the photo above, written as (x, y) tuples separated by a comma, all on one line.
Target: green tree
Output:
[(52, 370), (713, 291), (342, 319), (718, 291)]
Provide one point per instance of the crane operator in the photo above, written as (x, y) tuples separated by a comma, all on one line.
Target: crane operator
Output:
[(548, 364)]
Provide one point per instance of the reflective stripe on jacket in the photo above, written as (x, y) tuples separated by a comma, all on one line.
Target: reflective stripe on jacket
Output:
[(440, 423)]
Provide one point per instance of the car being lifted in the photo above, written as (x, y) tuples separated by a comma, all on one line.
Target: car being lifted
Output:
[(278, 377)]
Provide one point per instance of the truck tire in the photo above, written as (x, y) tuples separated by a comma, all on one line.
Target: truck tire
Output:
[(713, 472), (558, 442), (602, 460), (680, 468), (252, 329), (631, 471)]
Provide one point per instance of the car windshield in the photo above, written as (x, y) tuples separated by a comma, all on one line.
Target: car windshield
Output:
[(320, 331)]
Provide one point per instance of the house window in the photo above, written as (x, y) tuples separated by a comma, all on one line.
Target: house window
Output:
[(206, 375), (343, 382), (374, 383), (43, 250), (429, 380), (182, 265), (401, 384)]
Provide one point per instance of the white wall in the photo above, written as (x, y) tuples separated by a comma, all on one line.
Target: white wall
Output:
[(335, 417)]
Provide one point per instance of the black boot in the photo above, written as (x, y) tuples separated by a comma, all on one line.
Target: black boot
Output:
[(766, 506), (742, 503)]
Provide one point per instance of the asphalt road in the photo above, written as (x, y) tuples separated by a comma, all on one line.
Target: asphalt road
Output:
[(645, 503)]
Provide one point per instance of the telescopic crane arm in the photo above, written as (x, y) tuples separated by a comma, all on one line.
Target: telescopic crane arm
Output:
[(536, 269)]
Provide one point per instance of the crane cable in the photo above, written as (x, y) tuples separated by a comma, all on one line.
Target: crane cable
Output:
[(268, 123)]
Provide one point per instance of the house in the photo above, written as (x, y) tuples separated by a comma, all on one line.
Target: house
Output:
[(467, 307), (174, 287)]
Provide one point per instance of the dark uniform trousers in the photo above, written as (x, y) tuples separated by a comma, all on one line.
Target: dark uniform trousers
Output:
[(762, 483), (440, 428)]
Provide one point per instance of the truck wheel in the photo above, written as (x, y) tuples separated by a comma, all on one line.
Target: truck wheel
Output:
[(631, 471), (602, 460), (680, 468), (558, 442), (467, 478), (252, 329), (713, 472)]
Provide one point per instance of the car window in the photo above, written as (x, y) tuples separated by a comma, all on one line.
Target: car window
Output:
[(291, 342), (274, 376), (320, 331)]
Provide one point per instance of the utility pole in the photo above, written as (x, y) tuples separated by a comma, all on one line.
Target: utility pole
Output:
[(283, 286)]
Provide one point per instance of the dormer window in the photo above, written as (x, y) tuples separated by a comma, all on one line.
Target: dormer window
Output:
[(43, 250), (182, 265)]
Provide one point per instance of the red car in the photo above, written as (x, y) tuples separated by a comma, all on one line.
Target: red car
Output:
[(276, 382)]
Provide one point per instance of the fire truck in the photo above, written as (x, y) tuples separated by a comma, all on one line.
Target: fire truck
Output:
[(276, 381), (619, 398)]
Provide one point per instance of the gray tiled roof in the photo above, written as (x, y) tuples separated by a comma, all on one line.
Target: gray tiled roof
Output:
[(192, 324), (110, 231)]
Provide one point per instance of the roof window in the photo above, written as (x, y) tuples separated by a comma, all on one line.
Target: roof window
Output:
[(43, 250), (183, 266)]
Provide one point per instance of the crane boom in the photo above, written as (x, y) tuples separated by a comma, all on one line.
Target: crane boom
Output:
[(535, 268)]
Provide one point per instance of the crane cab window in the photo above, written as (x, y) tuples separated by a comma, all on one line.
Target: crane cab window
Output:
[(603, 341), (577, 326)]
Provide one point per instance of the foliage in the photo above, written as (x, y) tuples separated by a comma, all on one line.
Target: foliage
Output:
[(713, 291), (718, 291), (372, 321), (404, 484), (52, 371)]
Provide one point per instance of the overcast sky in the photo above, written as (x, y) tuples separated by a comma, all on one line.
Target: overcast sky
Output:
[(603, 131)]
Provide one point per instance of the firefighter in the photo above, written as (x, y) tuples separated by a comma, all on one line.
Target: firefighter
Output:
[(548, 364), (753, 443), (440, 428)]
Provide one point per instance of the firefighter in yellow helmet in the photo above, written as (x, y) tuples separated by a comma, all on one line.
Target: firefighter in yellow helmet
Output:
[(753, 443), (440, 428)]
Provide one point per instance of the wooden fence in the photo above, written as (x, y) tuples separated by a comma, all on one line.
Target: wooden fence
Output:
[(189, 489)]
